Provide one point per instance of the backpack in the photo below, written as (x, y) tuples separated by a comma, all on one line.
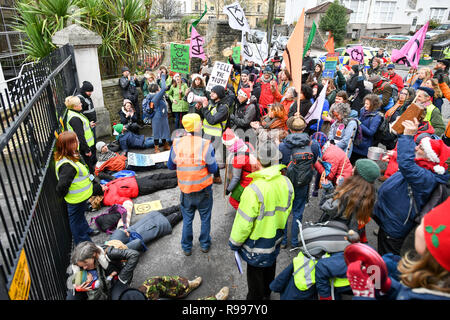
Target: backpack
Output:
[(394, 88), (107, 221), (383, 135), (300, 168), (148, 111), (358, 137), (321, 237), (260, 111)]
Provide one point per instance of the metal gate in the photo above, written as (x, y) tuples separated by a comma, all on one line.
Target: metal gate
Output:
[(35, 238)]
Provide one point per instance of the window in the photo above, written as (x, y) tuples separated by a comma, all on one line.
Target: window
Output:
[(259, 8), (437, 14), (384, 11), (414, 22), (196, 6), (211, 8), (358, 7)]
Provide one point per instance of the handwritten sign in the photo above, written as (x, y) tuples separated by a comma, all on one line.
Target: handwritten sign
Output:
[(219, 75), (179, 58), (330, 65), (236, 54), (236, 17)]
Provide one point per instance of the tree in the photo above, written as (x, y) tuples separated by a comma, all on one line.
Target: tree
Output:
[(335, 20), (166, 9)]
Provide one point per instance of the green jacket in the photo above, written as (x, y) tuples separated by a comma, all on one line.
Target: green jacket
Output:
[(179, 104), (261, 217), (434, 116)]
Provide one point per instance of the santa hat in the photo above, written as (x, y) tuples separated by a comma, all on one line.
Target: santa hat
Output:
[(437, 152), (228, 137), (245, 92), (437, 233)]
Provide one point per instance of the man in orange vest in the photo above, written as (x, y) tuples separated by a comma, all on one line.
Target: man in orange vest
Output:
[(193, 158)]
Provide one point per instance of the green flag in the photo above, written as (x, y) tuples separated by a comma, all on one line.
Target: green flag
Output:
[(198, 20), (312, 33)]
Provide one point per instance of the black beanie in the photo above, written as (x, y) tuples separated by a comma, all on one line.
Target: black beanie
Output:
[(219, 90), (87, 87)]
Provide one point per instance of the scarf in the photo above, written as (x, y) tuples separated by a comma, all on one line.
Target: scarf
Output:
[(106, 156), (392, 110)]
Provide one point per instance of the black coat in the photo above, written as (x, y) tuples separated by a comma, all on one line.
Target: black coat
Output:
[(87, 105)]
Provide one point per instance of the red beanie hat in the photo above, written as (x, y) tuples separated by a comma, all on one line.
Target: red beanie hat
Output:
[(244, 92), (228, 137), (437, 152), (437, 233)]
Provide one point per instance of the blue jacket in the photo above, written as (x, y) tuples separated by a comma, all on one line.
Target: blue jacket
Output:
[(285, 285), (297, 140), (393, 204), (160, 122), (370, 121), (130, 140)]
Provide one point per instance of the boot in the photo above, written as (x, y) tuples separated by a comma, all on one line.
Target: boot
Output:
[(166, 146), (194, 284), (223, 293), (157, 149)]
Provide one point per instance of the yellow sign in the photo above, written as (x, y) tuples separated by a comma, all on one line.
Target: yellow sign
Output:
[(147, 207), (20, 286)]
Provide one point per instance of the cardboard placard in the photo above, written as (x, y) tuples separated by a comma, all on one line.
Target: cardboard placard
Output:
[(179, 58), (219, 75), (330, 65), (146, 207), (236, 54), (413, 111)]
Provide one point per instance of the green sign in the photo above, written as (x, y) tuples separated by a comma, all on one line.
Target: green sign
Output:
[(236, 54), (179, 58)]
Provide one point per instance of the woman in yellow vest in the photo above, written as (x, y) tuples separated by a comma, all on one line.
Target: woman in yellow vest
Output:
[(75, 185), (78, 123)]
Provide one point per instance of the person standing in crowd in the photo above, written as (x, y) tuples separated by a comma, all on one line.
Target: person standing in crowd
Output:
[(75, 185), (113, 268), (316, 76), (85, 93), (433, 115), (197, 88), (284, 81), (405, 98), (128, 117), (343, 130), (287, 100), (298, 142), (245, 111), (246, 82), (250, 67), (394, 78), (257, 240), (149, 78), (370, 121), (128, 85), (160, 121), (267, 83), (78, 123), (305, 102), (331, 90), (177, 94), (308, 62), (402, 196), (441, 68), (215, 116), (193, 158)]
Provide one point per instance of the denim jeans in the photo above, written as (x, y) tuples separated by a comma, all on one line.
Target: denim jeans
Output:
[(189, 203), (149, 142), (77, 222), (178, 117), (298, 205)]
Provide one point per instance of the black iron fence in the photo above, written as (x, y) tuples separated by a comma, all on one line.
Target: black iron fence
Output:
[(35, 238)]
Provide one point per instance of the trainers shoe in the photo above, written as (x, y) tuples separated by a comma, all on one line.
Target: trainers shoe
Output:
[(195, 283), (223, 293), (187, 253), (205, 250)]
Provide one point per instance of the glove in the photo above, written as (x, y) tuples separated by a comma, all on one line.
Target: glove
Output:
[(360, 282), (327, 185), (440, 78)]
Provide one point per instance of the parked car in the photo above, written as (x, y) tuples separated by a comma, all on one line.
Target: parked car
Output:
[(398, 37), (282, 42), (257, 35), (439, 30)]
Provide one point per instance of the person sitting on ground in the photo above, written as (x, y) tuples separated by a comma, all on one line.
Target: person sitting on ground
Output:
[(108, 162), (383, 89), (128, 117), (433, 115), (424, 277), (375, 67), (152, 226), (331, 90), (419, 78), (287, 99), (354, 199), (175, 287), (129, 140), (114, 267)]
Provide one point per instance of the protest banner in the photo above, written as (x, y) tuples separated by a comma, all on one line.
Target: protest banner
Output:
[(250, 51), (236, 54), (356, 54), (330, 65), (179, 58), (236, 17), (219, 75), (409, 54), (196, 45)]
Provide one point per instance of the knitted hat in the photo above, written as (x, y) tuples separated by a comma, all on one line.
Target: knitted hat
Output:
[(191, 122), (437, 233), (391, 66), (296, 123), (267, 69), (99, 146), (245, 92), (429, 91), (219, 90), (228, 137), (118, 128), (87, 87), (245, 71), (125, 101), (320, 137), (125, 69), (368, 169), (268, 153), (437, 152)]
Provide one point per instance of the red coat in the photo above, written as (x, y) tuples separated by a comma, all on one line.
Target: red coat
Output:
[(397, 80), (120, 190), (266, 96), (338, 160)]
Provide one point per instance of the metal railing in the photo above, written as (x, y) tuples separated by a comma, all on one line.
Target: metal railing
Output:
[(33, 220)]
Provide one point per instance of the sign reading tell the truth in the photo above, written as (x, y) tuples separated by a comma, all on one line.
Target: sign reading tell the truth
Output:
[(219, 75), (179, 58)]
